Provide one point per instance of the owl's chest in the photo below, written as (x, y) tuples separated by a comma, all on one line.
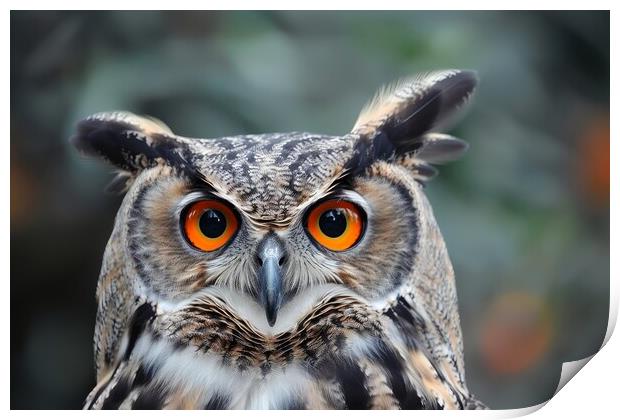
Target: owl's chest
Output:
[(335, 362), (187, 379), (160, 373), (281, 389)]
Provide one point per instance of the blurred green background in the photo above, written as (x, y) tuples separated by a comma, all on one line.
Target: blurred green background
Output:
[(525, 213)]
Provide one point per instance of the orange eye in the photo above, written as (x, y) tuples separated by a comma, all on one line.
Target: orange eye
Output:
[(336, 224), (209, 224)]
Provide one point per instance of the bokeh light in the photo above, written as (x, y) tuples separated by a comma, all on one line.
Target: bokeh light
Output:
[(516, 333)]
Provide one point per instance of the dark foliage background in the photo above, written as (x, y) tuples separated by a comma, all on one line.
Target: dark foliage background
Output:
[(525, 214)]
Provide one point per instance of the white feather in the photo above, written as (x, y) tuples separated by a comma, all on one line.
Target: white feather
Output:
[(201, 374)]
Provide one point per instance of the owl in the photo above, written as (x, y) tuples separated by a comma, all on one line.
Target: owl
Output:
[(281, 271)]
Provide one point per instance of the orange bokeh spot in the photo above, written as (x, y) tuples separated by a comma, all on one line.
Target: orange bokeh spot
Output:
[(516, 333), (593, 163)]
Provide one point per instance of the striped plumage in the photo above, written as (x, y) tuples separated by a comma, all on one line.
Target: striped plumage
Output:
[(375, 326)]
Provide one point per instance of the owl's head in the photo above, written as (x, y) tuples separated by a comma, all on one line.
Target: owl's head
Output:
[(266, 219)]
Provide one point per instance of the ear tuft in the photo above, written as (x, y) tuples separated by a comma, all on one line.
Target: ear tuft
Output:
[(396, 124), (127, 141), (411, 107), (145, 124)]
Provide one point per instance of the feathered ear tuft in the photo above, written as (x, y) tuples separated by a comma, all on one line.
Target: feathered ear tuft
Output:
[(397, 122), (411, 107), (125, 140), (130, 143)]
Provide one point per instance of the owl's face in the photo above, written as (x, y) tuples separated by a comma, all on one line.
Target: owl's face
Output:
[(267, 223), (273, 229)]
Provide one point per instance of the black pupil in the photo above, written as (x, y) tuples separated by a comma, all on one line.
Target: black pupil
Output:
[(212, 223), (333, 223)]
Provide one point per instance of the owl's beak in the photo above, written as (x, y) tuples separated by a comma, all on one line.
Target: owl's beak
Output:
[(271, 256)]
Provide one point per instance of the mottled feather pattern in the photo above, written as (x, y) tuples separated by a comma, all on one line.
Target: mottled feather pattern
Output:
[(372, 327), (339, 337)]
